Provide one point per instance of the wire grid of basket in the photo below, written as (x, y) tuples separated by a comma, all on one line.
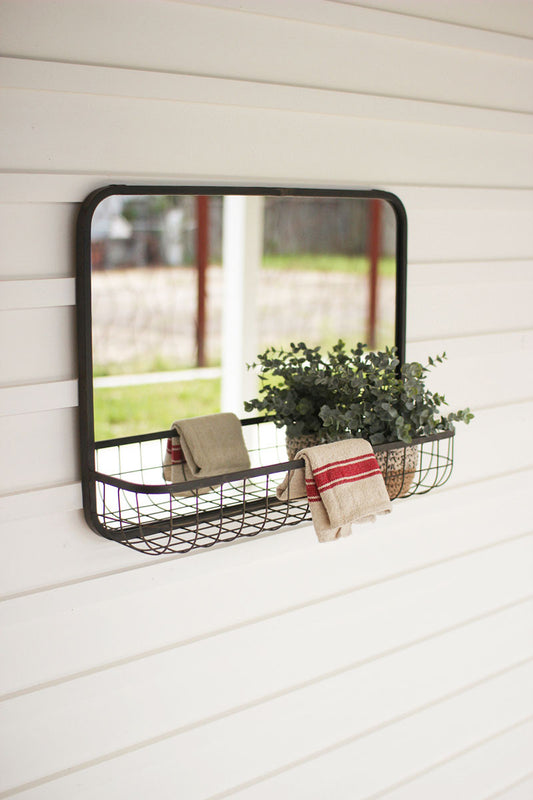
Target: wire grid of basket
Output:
[(418, 467), (135, 507)]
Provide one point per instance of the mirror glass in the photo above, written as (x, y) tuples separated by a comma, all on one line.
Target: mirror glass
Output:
[(186, 288)]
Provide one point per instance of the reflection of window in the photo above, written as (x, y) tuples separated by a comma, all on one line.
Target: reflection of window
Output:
[(313, 284), (306, 275)]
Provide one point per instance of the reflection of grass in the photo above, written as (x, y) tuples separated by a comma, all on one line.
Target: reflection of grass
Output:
[(328, 263), (126, 410)]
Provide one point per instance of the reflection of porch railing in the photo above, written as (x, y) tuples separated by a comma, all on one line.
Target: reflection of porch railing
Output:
[(144, 378)]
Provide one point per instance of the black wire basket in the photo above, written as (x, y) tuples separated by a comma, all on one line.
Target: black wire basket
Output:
[(131, 504)]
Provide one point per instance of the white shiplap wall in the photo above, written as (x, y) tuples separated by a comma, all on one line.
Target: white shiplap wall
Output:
[(397, 663)]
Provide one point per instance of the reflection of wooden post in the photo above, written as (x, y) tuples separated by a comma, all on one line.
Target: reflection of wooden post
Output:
[(202, 256), (374, 241), (242, 254)]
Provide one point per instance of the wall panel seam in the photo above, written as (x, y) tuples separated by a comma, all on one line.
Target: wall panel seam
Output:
[(515, 784), (374, 729), (101, 178), (449, 760), (361, 18), (434, 20), (280, 770), (36, 292), (352, 666), (298, 90), (467, 335), (426, 262), (163, 560), (492, 407)]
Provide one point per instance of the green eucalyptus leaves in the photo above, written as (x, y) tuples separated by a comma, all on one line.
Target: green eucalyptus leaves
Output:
[(350, 393)]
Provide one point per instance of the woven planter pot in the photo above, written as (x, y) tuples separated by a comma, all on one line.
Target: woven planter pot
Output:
[(398, 466), (296, 443)]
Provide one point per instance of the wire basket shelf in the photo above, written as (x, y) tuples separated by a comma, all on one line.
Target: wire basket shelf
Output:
[(131, 503)]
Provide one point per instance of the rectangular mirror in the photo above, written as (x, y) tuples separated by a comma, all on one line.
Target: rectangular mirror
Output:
[(186, 288)]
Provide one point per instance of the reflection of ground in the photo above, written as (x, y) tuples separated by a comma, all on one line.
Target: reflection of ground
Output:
[(149, 315)]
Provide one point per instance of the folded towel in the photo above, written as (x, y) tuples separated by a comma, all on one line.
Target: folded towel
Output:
[(343, 483), (205, 446)]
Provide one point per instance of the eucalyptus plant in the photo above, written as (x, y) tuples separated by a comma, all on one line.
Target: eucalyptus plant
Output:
[(351, 393), (392, 402), (294, 385)]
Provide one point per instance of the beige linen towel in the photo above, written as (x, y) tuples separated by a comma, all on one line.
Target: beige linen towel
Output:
[(205, 446), (343, 483)]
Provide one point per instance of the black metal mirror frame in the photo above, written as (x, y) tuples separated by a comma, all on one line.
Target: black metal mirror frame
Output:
[(84, 303)]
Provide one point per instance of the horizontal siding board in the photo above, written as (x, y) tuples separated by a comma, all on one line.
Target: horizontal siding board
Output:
[(29, 188), (477, 774), (28, 505), (496, 443), (457, 273), (41, 235), (475, 308), (355, 771), (358, 642), (512, 16), (41, 345), (66, 132), (39, 450), (192, 39), (38, 397), (51, 188), (40, 293), (468, 198), (423, 22), (48, 547), (471, 235), (82, 79), (474, 373), (62, 619), (326, 744), (521, 789)]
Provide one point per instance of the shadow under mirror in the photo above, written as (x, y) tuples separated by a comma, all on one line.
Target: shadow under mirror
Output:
[(187, 288)]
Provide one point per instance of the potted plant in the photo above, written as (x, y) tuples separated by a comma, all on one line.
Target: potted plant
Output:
[(295, 384), (392, 405), (354, 393)]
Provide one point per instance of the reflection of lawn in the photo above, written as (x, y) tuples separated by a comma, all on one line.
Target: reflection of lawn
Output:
[(329, 263), (126, 410)]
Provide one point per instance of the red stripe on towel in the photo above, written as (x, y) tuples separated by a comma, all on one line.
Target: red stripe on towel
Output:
[(346, 471), (312, 492), (344, 461), (175, 451)]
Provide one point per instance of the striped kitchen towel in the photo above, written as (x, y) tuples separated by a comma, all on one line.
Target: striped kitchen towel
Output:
[(205, 446), (343, 483), (174, 461)]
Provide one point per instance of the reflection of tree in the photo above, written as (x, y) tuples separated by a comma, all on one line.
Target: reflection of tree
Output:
[(150, 208), (147, 215), (293, 225)]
